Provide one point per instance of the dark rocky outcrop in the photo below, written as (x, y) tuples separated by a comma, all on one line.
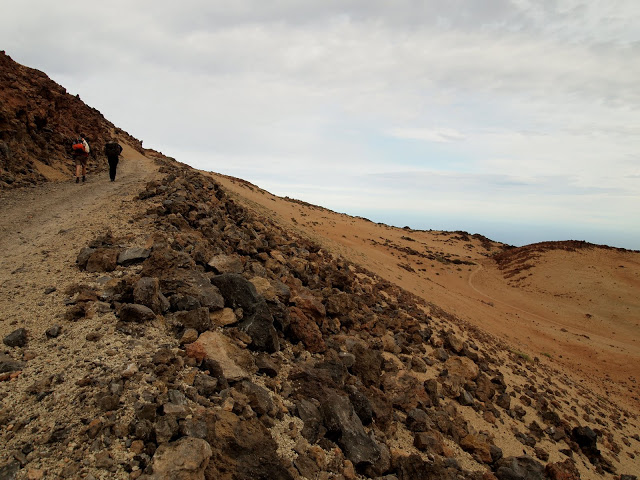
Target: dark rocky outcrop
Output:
[(345, 427), (257, 319)]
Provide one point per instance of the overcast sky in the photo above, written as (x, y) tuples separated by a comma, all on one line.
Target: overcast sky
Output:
[(517, 119)]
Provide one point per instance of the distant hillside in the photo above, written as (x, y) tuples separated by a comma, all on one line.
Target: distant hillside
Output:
[(38, 121)]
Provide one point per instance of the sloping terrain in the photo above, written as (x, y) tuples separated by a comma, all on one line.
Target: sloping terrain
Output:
[(181, 325), (200, 335), (573, 305)]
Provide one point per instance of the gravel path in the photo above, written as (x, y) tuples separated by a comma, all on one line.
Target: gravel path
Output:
[(43, 228)]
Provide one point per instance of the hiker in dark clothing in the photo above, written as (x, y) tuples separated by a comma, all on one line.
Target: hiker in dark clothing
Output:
[(112, 150)]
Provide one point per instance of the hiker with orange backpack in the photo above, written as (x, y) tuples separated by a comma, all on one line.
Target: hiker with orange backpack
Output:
[(80, 155)]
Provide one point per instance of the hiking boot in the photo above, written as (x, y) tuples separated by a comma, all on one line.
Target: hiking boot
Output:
[(83, 178), (77, 179)]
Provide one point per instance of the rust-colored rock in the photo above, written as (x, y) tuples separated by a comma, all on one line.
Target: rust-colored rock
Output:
[(236, 363), (479, 447), (562, 470), (305, 330), (462, 366)]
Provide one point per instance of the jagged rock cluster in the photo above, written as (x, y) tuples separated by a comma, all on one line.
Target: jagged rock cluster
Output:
[(279, 360), (39, 121)]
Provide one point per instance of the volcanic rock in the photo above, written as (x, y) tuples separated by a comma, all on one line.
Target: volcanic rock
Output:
[(519, 468), (135, 313), (368, 365), (303, 329), (562, 470), (310, 414), (343, 424), (429, 442), (53, 331), (226, 264), (8, 364), (223, 317), (147, 292), (479, 447), (198, 319), (131, 256), (184, 459), (242, 446), (257, 319), (463, 367), (17, 338), (235, 363), (102, 260)]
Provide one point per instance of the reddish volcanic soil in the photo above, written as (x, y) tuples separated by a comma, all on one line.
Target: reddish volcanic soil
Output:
[(574, 306)]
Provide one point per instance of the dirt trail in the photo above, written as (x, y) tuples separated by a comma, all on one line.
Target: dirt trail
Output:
[(43, 228), (479, 269)]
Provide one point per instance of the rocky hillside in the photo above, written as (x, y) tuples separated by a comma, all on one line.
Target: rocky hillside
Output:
[(218, 345), (38, 122)]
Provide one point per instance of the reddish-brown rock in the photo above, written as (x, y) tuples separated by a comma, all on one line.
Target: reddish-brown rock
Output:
[(306, 331), (236, 363), (562, 470)]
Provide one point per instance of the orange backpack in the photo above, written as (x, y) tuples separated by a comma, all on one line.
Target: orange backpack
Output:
[(78, 146)]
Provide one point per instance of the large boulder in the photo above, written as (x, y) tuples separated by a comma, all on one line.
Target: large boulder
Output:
[(257, 320), (463, 367), (342, 423), (244, 449), (302, 328), (236, 363), (184, 459), (147, 292)]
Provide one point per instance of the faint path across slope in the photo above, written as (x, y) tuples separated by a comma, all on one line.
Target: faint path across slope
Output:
[(495, 300), (43, 228)]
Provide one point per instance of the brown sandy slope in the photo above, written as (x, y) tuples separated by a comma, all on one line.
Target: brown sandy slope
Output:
[(575, 309)]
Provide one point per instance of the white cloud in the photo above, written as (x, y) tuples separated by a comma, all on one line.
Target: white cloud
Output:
[(439, 135), (321, 92)]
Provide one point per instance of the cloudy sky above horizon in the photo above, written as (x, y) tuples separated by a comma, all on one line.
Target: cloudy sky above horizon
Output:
[(516, 119)]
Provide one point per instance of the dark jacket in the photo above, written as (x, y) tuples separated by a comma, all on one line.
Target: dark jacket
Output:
[(112, 149)]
